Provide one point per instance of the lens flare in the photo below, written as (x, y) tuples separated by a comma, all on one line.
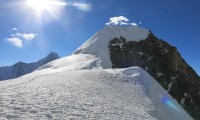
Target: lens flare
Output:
[(168, 102)]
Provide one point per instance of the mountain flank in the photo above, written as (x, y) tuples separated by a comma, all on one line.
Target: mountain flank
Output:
[(164, 63)]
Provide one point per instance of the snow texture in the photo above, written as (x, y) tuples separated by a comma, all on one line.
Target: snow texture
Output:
[(73, 62), (115, 94)]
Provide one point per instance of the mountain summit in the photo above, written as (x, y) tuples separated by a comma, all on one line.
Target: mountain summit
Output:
[(98, 44), (21, 68)]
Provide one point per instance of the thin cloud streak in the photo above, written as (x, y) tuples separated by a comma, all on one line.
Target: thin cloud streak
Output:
[(82, 6)]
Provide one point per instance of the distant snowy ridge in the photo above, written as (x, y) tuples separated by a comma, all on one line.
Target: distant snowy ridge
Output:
[(21, 68), (98, 44)]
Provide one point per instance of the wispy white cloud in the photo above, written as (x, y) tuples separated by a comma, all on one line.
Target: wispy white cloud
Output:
[(15, 41), (26, 36), (120, 20), (117, 20), (82, 6), (134, 24), (124, 23), (29, 36), (16, 35), (13, 29)]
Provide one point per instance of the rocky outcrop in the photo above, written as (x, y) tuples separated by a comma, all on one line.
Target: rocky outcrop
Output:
[(164, 63)]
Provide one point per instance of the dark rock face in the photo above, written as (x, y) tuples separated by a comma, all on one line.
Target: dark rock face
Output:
[(165, 64), (22, 68)]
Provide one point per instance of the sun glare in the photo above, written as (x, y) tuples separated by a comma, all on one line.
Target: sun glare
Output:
[(41, 5), (38, 5)]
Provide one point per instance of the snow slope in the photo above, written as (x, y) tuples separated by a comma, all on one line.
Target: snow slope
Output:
[(80, 93), (98, 44), (73, 62)]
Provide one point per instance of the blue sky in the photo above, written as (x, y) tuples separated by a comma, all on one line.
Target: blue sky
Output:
[(65, 28)]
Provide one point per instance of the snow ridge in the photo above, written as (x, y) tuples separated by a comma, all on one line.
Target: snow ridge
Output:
[(117, 94)]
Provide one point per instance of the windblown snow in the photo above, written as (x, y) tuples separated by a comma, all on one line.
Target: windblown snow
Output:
[(78, 87)]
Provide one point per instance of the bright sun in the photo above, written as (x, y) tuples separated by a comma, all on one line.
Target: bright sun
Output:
[(41, 5)]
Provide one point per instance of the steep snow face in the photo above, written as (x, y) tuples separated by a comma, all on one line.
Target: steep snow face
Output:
[(117, 94), (98, 44), (22, 68)]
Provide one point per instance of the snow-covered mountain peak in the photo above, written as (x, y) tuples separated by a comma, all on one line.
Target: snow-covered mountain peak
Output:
[(50, 56), (98, 44)]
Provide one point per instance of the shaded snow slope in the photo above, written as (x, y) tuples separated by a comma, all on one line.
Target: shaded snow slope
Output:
[(98, 44), (112, 94)]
